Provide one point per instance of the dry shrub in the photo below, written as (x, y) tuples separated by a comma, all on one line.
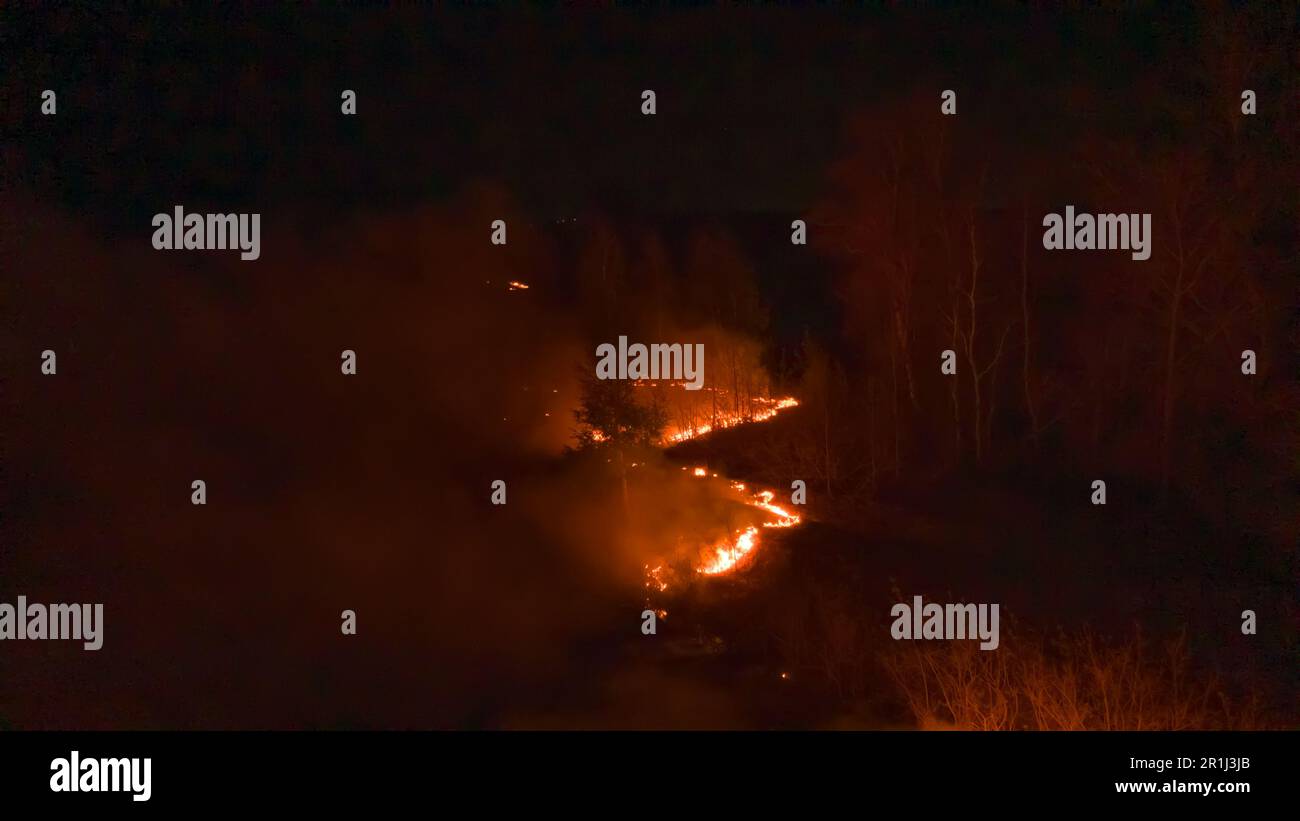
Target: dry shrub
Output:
[(1070, 682)]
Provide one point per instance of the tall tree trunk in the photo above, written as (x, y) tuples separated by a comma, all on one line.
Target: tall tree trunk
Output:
[(954, 384), (893, 375), (871, 425), (826, 433), (1171, 355), (1031, 407), (976, 403), (622, 472)]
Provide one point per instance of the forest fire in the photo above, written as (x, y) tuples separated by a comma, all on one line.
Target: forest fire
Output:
[(819, 379), (721, 421), (728, 554)]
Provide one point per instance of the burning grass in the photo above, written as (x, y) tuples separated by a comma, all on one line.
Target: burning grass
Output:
[(760, 410), (731, 552), (728, 553), (1071, 682), (721, 548)]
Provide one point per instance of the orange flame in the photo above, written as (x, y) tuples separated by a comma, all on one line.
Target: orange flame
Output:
[(730, 420), (677, 435), (729, 553)]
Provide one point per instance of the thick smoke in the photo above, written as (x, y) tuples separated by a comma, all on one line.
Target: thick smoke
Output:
[(325, 492)]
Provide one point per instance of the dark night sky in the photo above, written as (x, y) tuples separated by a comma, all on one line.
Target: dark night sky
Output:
[(239, 108), (232, 104)]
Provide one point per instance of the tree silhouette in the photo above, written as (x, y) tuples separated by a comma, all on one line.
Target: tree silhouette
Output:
[(611, 415)]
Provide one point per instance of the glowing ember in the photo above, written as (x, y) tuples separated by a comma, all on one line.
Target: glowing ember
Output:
[(517, 286), (700, 472), (654, 578)]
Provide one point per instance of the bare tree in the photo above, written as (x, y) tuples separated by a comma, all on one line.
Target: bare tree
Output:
[(978, 372)]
